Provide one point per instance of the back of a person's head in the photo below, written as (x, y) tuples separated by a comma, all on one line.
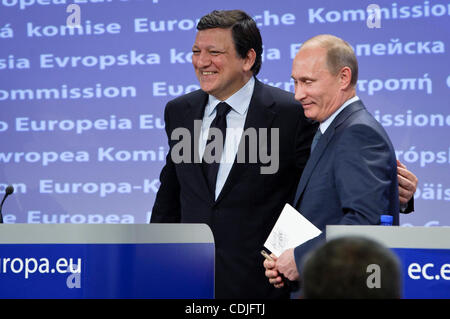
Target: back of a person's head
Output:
[(351, 268)]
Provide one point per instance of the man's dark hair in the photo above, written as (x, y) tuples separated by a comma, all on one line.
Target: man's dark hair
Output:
[(339, 270), (244, 31)]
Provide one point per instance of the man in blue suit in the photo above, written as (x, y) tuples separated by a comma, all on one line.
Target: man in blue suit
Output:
[(351, 175), (235, 199)]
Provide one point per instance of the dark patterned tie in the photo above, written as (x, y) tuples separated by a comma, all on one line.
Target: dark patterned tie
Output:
[(315, 139), (220, 122)]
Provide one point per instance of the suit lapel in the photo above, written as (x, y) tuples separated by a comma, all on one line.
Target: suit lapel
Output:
[(260, 115), (322, 145), (194, 112)]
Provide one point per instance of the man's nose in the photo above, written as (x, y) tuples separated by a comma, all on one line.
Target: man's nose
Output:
[(203, 60), (299, 92)]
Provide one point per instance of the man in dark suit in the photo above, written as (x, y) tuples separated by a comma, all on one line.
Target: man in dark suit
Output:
[(351, 175), (242, 204), (237, 199)]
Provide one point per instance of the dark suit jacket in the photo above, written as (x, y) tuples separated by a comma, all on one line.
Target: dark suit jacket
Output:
[(351, 176), (250, 202)]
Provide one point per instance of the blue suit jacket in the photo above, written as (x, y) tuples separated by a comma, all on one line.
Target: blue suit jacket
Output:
[(350, 177), (250, 202)]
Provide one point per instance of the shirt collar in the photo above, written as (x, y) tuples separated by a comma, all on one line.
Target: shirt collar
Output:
[(239, 101), (325, 124)]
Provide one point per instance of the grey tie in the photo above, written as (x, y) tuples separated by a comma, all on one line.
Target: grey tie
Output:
[(316, 138)]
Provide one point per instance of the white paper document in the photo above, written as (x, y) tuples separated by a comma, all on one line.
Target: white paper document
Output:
[(290, 230)]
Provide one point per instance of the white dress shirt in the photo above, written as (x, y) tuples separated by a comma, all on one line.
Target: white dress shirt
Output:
[(239, 103)]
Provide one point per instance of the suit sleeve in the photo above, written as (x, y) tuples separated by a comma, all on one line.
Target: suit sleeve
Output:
[(365, 180), (167, 203), (366, 177), (409, 207)]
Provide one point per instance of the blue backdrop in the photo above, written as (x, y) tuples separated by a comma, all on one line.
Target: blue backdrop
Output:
[(81, 110)]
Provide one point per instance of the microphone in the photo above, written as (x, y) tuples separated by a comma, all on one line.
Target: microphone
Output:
[(8, 191)]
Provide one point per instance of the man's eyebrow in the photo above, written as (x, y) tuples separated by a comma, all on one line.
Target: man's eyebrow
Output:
[(303, 78), (211, 47)]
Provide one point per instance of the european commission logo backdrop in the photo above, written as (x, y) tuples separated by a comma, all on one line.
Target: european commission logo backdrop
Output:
[(84, 83)]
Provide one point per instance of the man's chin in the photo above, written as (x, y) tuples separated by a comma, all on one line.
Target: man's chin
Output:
[(212, 91), (310, 115), (207, 88)]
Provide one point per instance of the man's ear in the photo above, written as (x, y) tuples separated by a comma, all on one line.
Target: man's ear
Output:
[(345, 77), (249, 60)]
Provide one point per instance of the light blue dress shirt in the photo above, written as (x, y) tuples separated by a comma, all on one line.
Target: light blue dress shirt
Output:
[(325, 124)]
